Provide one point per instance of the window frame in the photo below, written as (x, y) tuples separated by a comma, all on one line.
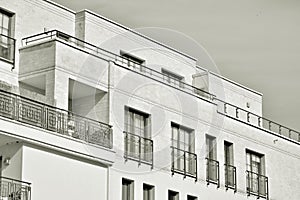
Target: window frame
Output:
[(150, 190), (129, 186)]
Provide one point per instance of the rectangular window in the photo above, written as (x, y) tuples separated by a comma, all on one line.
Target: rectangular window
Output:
[(230, 169), (138, 142), (127, 189), (257, 182), (6, 42), (212, 165), (189, 197), (148, 192), (173, 78), (184, 159), (173, 195)]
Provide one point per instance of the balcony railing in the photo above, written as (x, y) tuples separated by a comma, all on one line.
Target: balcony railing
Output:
[(257, 185), (230, 177), (44, 116), (212, 172), (184, 162), (12, 189), (256, 120), (138, 148), (120, 61), (7, 48)]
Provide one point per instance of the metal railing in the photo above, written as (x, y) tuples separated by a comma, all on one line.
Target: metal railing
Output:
[(256, 120), (223, 107), (61, 121), (120, 61), (7, 48), (12, 189), (212, 172), (257, 185), (184, 162), (138, 148), (230, 177)]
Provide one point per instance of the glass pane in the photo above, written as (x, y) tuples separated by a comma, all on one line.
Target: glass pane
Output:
[(5, 22)]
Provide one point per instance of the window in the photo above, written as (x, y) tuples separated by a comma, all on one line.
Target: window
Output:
[(212, 165), (138, 143), (127, 189), (257, 183), (189, 197), (230, 169), (184, 159), (6, 43), (148, 192), (172, 195), (172, 78)]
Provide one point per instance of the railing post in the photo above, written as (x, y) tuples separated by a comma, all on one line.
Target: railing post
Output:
[(184, 163), (237, 112), (270, 125), (235, 182), (173, 160), (140, 149), (126, 145), (196, 161), (218, 173), (207, 171), (226, 176), (248, 116), (152, 157), (279, 129), (259, 121), (258, 185), (248, 182), (225, 108)]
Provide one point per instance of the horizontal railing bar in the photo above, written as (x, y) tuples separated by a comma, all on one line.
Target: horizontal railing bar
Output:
[(250, 172), (8, 37), (209, 159), (14, 180), (126, 132), (183, 150)]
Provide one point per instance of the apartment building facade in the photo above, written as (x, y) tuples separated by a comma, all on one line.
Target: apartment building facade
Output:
[(90, 109)]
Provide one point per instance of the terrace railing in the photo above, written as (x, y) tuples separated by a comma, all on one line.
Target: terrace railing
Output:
[(223, 107), (184, 162), (61, 121), (119, 60), (7, 48), (257, 185), (256, 120), (138, 148), (14, 189), (212, 172), (230, 177)]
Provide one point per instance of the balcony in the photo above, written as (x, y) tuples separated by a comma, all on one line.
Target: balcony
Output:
[(212, 172), (138, 148), (184, 162), (257, 185), (7, 48), (60, 121), (119, 60), (243, 115), (230, 177), (12, 189)]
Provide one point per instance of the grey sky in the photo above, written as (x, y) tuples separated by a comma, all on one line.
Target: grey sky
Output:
[(253, 42)]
